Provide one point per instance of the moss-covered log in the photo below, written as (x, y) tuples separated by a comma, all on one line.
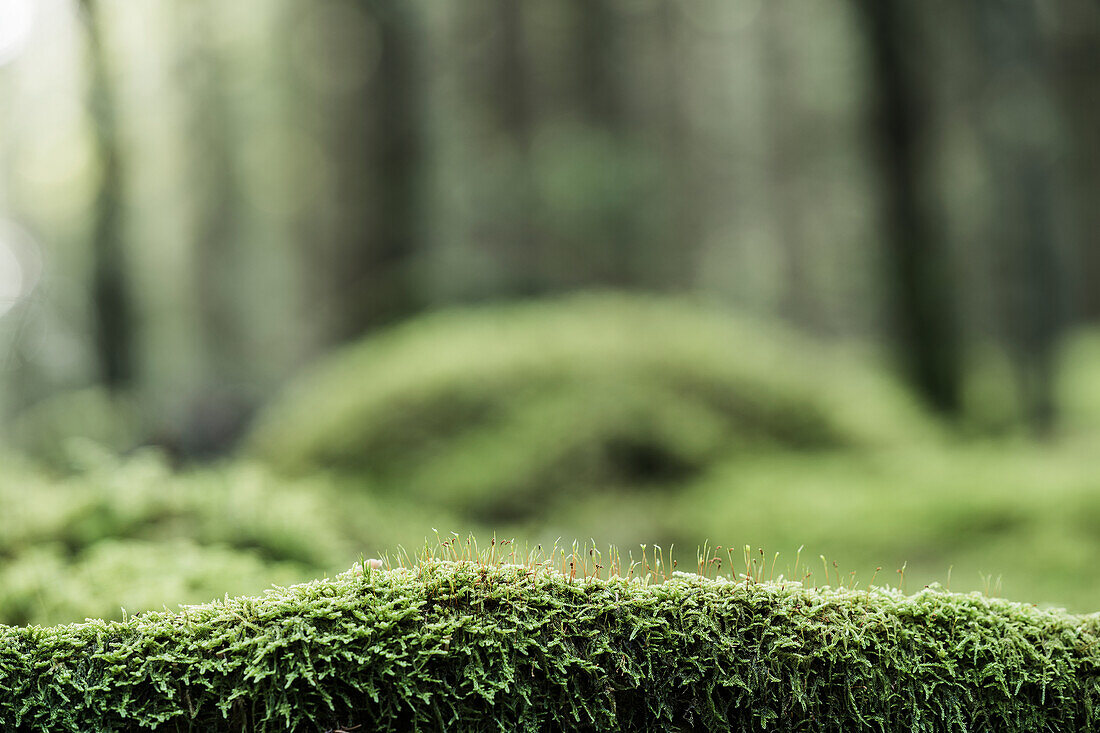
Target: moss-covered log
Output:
[(478, 646)]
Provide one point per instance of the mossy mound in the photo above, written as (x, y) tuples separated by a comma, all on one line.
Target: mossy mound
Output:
[(472, 646), (496, 410)]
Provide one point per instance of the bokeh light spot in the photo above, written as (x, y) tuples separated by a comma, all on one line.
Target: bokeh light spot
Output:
[(20, 265), (16, 22)]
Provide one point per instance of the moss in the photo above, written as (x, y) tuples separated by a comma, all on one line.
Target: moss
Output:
[(477, 646), (495, 410), (130, 533), (47, 430), (979, 514), (47, 583), (1026, 515), (1078, 385)]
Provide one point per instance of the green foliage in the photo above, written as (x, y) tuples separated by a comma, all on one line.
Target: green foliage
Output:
[(132, 534), (111, 576), (476, 645), (498, 410), (47, 430), (1020, 515), (1078, 392)]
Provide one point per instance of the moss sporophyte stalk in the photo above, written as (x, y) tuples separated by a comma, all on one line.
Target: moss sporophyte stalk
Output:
[(507, 637)]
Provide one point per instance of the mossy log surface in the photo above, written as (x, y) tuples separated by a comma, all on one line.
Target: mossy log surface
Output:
[(479, 646)]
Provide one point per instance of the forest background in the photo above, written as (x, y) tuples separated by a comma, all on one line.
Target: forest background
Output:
[(200, 199)]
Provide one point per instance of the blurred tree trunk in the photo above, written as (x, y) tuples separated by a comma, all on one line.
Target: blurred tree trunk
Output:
[(502, 84), (786, 152), (376, 144), (685, 193), (1017, 124), (923, 299), (111, 303), (217, 409), (598, 87), (213, 182), (1076, 66), (601, 105)]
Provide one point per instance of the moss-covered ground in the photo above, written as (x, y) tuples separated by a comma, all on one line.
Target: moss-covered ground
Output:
[(495, 410), (133, 534)]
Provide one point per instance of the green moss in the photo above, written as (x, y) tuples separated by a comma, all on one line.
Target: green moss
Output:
[(47, 430), (1078, 383), (140, 497), (133, 534), (496, 410), (1023, 515), (469, 646), (110, 577)]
